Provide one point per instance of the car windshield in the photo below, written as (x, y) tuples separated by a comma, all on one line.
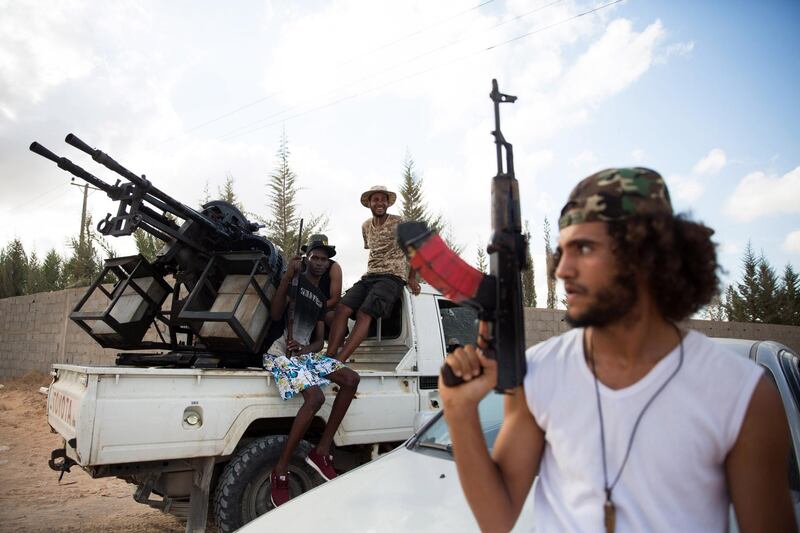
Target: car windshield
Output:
[(490, 410)]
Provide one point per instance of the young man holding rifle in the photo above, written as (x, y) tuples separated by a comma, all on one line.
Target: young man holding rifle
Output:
[(630, 422), (299, 366)]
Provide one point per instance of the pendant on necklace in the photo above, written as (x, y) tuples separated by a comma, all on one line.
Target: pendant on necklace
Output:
[(609, 515)]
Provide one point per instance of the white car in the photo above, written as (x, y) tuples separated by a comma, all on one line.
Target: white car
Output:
[(415, 487)]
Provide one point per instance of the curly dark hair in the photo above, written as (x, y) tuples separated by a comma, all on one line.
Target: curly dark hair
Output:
[(676, 254)]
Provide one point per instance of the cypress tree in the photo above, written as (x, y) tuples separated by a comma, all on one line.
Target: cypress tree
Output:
[(742, 298), (790, 297), (52, 279), (480, 261), (283, 226), (549, 258), (528, 279), (768, 293)]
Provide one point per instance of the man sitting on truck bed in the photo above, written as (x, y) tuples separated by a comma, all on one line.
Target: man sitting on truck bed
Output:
[(299, 367), (374, 295), (331, 281)]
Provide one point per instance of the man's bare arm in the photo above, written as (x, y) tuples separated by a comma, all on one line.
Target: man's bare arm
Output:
[(336, 286), (495, 486), (756, 467), (413, 284)]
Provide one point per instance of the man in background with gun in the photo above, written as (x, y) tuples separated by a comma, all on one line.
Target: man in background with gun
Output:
[(299, 366), (710, 428)]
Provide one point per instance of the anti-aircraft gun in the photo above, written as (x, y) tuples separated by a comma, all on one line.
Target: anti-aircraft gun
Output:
[(219, 273)]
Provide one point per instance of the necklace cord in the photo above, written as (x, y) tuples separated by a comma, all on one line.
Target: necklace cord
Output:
[(609, 488)]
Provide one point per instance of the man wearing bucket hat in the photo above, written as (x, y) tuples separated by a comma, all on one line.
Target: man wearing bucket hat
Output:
[(330, 283), (376, 293), (709, 427)]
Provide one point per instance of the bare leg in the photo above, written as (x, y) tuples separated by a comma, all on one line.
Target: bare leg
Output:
[(313, 401), (347, 380), (356, 336), (337, 328)]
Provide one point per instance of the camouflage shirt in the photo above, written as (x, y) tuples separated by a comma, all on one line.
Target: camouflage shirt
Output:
[(385, 257)]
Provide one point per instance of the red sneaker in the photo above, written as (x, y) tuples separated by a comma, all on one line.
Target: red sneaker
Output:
[(322, 464), (279, 489)]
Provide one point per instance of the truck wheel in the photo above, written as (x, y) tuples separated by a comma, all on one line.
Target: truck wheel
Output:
[(242, 493)]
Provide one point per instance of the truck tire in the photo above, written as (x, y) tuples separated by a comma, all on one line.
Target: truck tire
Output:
[(242, 493)]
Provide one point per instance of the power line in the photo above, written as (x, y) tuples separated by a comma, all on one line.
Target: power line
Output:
[(347, 62), (57, 188), (398, 80), (420, 31), (232, 133)]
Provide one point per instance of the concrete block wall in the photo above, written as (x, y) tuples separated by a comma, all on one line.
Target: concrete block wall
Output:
[(35, 332)]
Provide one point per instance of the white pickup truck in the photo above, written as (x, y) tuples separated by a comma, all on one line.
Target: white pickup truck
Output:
[(187, 437)]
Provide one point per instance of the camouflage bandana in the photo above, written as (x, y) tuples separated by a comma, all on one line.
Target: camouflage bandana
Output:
[(616, 194)]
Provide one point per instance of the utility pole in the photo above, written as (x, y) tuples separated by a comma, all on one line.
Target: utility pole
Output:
[(85, 187), (83, 215)]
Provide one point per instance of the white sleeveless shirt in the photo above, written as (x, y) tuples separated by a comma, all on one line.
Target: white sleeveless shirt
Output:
[(675, 478)]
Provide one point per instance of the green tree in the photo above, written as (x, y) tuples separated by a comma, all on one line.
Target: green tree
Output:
[(480, 260), (549, 258), (283, 226), (52, 278), (768, 293), (147, 244), (790, 297), (528, 279), (413, 206), (742, 298), (85, 263), (13, 270), (34, 282), (227, 194)]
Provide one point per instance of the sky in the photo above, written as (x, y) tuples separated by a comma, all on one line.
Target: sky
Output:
[(191, 92)]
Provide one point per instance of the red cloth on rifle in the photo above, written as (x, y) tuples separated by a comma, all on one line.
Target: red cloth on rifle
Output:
[(444, 269)]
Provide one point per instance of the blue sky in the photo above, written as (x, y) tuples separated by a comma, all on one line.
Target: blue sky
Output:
[(189, 92)]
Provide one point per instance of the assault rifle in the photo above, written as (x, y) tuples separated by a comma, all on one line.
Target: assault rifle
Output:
[(498, 295)]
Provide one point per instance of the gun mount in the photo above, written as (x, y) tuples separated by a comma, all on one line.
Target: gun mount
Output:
[(218, 273)]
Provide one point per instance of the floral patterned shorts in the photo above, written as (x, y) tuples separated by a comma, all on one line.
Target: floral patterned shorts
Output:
[(295, 374)]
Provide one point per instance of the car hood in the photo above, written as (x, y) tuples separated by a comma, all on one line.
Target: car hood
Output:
[(402, 491)]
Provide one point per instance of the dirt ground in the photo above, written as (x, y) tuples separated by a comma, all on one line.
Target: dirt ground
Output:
[(31, 499)]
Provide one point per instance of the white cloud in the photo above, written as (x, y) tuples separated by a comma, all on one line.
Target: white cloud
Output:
[(638, 155), (712, 163), (676, 49), (792, 242), (612, 63), (759, 195), (684, 189)]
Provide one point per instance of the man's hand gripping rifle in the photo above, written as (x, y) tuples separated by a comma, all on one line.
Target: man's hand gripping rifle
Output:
[(498, 295)]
